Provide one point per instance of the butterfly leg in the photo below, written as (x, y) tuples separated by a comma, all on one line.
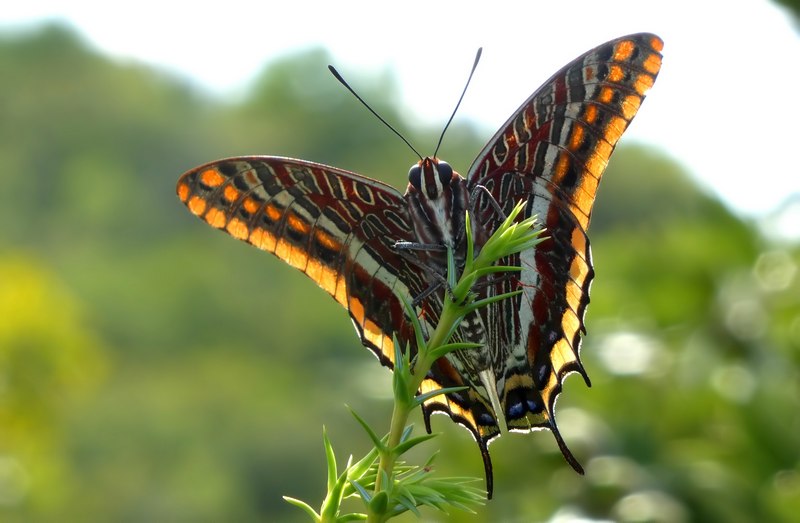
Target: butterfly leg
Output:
[(414, 246), (438, 279), (433, 287), (476, 192)]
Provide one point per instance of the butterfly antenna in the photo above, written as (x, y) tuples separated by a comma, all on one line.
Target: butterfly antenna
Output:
[(474, 66), (335, 73)]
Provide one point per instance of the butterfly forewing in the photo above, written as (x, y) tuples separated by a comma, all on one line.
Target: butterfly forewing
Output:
[(552, 152), (337, 227)]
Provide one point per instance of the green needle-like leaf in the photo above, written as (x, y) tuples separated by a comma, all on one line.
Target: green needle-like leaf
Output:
[(303, 505), (351, 517), (411, 443), (366, 496), (442, 350), (330, 458), (360, 468), (422, 398), (371, 433)]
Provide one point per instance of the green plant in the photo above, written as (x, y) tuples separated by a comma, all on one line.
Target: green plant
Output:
[(387, 486)]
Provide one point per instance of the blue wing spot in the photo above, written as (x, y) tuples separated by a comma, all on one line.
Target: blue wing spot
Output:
[(486, 419), (515, 410)]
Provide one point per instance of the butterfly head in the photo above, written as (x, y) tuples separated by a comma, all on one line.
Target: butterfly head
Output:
[(430, 177)]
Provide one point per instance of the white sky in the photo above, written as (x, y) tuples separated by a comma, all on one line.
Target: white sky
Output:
[(725, 104)]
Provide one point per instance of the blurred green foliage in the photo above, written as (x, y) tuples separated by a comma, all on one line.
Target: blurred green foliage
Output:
[(793, 6), (154, 370)]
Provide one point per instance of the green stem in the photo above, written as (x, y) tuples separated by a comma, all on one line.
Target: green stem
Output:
[(400, 415), (451, 314)]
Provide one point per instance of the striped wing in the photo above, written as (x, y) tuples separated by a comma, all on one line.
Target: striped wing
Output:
[(337, 227), (552, 152)]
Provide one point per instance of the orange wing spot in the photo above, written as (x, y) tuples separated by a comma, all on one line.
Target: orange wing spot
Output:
[(212, 178), (230, 193), (603, 151), (547, 393), (606, 95), (327, 241), (590, 114), (578, 241), (283, 249), (183, 192), (518, 380), (576, 137), (250, 205), (375, 335), (584, 198), (297, 224), (578, 269), (272, 212), (561, 354), (340, 295), (530, 119), (624, 51), (562, 164), (511, 140), (326, 278), (463, 413), (615, 129), (652, 64), (216, 218), (643, 83), (630, 106), (657, 44), (321, 274), (197, 205), (615, 74), (238, 229), (574, 295), (428, 385), (298, 258), (571, 325), (596, 164), (356, 309), (263, 239)]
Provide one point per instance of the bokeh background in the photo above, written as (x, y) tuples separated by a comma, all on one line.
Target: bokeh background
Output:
[(152, 369)]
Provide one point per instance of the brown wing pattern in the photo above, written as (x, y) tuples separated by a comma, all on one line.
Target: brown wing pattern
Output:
[(552, 152), (335, 226)]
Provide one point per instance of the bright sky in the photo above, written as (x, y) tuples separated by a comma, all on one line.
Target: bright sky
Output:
[(725, 104)]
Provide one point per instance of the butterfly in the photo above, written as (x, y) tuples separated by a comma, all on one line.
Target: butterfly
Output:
[(365, 243)]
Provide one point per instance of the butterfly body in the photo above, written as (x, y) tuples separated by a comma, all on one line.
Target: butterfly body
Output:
[(366, 244), (437, 200)]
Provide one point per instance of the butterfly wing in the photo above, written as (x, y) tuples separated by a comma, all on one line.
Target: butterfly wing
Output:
[(552, 152), (337, 227)]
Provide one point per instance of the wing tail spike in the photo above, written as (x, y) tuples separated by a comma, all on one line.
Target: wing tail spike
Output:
[(562, 446), (582, 370), (487, 467), (426, 415)]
